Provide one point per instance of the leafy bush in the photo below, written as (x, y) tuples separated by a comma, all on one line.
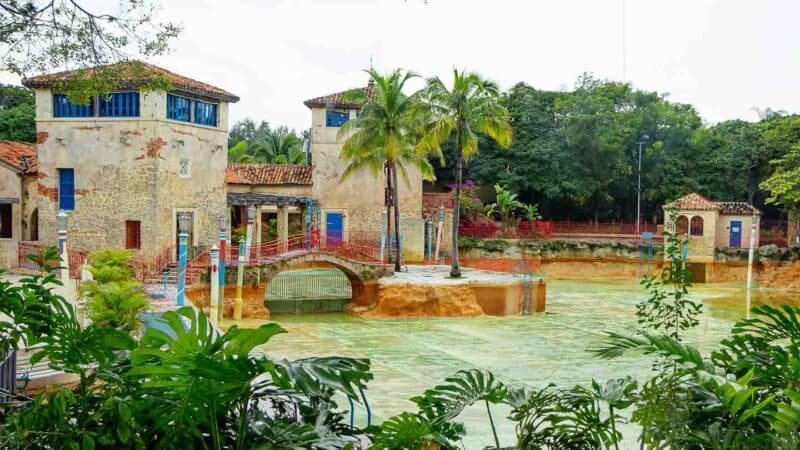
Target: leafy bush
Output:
[(490, 245), (110, 265), (115, 304)]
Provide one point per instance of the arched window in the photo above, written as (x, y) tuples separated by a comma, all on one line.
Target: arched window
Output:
[(696, 228), (682, 225)]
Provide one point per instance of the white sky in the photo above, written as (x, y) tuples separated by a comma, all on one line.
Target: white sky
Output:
[(726, 57)]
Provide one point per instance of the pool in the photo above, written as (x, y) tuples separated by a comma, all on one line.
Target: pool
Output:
[(411, 354)]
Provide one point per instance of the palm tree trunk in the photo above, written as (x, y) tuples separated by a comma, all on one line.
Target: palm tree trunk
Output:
[(396, 202), (388, 201), (455, 270)]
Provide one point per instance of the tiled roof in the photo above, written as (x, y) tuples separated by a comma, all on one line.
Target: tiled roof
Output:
[(179, 82), (696, 202), (336, 100), (268, 174), (737, 209), (19, 155), (693, 202)]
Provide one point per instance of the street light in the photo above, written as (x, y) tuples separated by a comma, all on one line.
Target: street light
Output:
[(639, 186)]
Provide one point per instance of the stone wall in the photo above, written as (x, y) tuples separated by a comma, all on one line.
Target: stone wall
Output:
[(129, 169)]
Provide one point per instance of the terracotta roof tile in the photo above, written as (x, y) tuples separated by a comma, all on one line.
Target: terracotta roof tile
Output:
[(693, 202), (19, 155), (179, 82), (737, 209), (269, 174), (336, 100)]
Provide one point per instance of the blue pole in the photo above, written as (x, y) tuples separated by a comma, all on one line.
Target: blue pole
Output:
[(183, 237), (223, 240)]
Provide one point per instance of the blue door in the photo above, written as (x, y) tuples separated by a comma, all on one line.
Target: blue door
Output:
[(334, 227), (736, 233)]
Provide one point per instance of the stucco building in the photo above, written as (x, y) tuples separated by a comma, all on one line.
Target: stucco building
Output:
[(710, 225), (127, 164), (18, 205)]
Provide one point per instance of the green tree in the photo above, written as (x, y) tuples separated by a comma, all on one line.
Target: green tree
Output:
[(17, 114), (384, 137), (471, 104), (247, 130), (42, 36), (784, 183)]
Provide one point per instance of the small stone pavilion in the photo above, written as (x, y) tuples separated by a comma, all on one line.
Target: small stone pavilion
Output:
[(710, 225)]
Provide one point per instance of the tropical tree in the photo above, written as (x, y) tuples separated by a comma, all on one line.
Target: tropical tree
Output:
[(269, 146), (471, 104), (505, 207), (384, 137)]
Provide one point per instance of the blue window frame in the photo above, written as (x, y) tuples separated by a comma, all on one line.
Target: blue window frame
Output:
[(205, 113), (62, 107), (66, 189), (335, 118), (178, 108), (120, 104)]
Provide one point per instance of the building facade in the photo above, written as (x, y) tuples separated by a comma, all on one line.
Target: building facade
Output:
[(709, 225), (357, 204), (127, 164), (18, 206)]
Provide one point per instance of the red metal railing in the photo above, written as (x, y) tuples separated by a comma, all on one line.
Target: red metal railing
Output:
[(76, 259), (432, 200), (547, 229), (773, 232)]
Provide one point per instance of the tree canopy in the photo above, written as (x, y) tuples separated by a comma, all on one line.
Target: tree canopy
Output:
[(17, 114)]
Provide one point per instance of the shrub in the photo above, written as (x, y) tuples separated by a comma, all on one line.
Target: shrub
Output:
[(115, 304), (110, 265)]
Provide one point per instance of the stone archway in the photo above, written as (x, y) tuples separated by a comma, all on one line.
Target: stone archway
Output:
[(363, 277)]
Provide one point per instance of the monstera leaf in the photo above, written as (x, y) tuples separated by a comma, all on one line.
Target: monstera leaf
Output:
[(408, 432)]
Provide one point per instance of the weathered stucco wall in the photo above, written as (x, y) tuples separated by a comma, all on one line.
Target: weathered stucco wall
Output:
[(700, 248), (11, 188), (128, 169), (724, 230)]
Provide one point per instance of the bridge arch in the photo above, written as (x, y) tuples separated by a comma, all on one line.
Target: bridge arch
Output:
[(363, 277)]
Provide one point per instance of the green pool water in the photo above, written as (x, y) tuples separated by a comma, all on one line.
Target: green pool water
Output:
[(411, 354)]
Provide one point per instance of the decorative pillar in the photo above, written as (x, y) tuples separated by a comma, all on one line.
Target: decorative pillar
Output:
[(237, 303), (68, 287), (251, 216), (213, 303), (183, 237), (439, 229), (223, 241), (428, 239), (283, 227)]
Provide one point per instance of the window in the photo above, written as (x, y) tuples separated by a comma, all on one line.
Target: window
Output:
[(178, 108), (62, 107), (335, 119), (6, 221), (696, 228), (133, 234), (682, 226), (120, 104), (66, 189), (205, 113)]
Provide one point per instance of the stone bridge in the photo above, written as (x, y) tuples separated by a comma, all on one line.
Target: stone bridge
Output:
[(363, 276)]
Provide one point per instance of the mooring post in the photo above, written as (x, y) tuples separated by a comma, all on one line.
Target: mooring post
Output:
[(251, 217), (237, 303), (213, 302), (183, 237), (750, 257), (62, 221), (223, 239), (440, 219)]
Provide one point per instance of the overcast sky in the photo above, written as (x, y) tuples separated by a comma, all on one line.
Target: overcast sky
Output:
[(726, 57)]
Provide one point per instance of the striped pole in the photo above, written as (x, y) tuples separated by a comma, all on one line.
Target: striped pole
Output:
[(238, 302), (213, 303), (183, 237), (223, 241)]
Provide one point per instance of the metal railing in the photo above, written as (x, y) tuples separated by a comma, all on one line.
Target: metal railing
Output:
[(8, 376), (549, 229), (432, 200), (24, 249)]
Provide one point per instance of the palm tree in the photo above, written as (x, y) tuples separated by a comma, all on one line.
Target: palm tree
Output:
[(384, 137), (472, 103), (278, 146)]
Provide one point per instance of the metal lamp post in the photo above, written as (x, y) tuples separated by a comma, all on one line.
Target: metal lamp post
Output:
[(183, 236), (223, 241), (750, 257), (639, 186)]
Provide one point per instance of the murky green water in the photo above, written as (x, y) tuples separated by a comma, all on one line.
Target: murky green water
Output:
[(411, 354)]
